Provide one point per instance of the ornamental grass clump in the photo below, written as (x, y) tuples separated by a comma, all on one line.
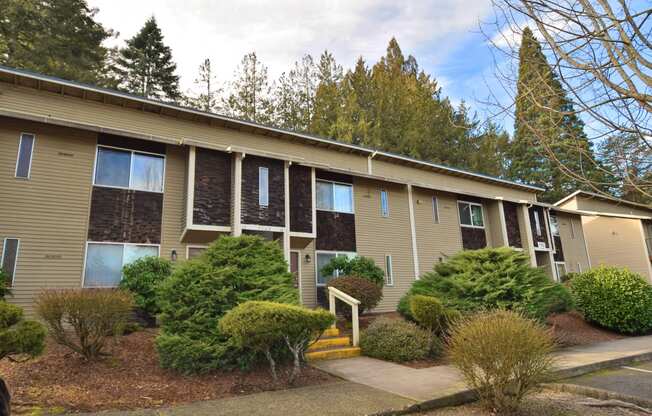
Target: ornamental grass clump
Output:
[(502, 355), (614, 298), (84, 319)]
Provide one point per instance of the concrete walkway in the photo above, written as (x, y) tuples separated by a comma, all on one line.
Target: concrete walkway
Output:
[(338, 398), (444, 382)]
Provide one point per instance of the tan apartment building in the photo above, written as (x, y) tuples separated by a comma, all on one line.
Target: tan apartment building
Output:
[(617, 232), (93, 179)]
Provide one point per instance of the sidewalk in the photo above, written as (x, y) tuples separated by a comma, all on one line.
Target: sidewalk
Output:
[(444, 383), (338, 398)]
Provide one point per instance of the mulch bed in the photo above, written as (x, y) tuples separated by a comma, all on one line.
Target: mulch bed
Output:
[(130, 378), (571, 329)]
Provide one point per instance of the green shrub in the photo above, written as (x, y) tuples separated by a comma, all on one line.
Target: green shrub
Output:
[(199, 292), (490, 278), (356, 266), (428, 311), (395, 340), (364, 290), (502, 355), (142, 278), (5, 290), (83, 319), (615, 298), (17, 336), (262, 326)]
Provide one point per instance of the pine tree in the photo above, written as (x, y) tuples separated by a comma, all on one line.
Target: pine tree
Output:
[(250, 95), (352, 123), (146, 67), (630, 163), (55, 37), (327, 97), (549, 147), (208, 97), (294, 96)]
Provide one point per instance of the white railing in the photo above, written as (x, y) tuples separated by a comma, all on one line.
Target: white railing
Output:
[(350, 300)]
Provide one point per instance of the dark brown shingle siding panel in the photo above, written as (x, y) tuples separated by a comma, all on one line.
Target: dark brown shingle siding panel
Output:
[(511, 222), (125, 216), (132, 144), (335, 231), (473, 238), (333, 176), (212, 202), (543, 238), (300, 199), (559, 249), (252, 212)]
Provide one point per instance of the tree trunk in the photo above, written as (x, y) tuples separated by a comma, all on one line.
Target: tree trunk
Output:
[(272, 365), (5, 398)]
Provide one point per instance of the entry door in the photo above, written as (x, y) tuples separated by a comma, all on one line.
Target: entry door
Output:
[(294, 267)]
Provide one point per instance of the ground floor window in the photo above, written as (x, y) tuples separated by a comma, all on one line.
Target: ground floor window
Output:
[(104, 261), (195, 251), (9, 259), (323, 258), (561, 268), (389, 272)]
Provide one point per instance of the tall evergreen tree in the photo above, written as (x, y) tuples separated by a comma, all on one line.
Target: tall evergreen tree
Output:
[(543, 111), (56, 37), (208, 97), (146, 67), (327, 96), (294, 96), (250, 96), (629, 161)]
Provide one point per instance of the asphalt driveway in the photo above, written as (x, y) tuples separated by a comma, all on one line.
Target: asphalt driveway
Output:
[(633, 380)]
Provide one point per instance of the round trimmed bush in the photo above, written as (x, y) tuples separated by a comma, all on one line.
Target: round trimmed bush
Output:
[(396, 340), (364, 290), (428, 311), (614, 298), (490, 278)]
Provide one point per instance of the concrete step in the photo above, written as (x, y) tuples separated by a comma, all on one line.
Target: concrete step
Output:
[(323, 343), (331, 332), (333, 353)]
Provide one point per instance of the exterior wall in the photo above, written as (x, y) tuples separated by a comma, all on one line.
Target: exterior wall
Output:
[(571, 234), (48, 212), (212, 188), (599, 205), (494, 224), (378, 236), (174, 202), (617, 241), (435, 241), (59, 108), (300, 199), (252, 212), (308, 272)]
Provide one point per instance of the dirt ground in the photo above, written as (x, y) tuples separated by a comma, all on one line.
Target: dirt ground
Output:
[(543, 404), (130, 378), (571, 329)]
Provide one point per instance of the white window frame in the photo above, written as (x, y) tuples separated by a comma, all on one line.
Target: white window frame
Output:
[(389, 270), (158, 248), (435, 209), (350, 185), (384, 207), (2, 259), (31, 156), (471, 214), (188, 247), (537, 224), (337, 253), (263, 202), (557, 264), (131, 167), (554, 219)]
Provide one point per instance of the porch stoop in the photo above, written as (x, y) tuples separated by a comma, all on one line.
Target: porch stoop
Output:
[(332, 346)]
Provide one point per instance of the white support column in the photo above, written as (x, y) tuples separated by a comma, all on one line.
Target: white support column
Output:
[(314, 201), (503, 223), (413, 232), (190, 191), (286, 193), (528, 244), (237, 195), (645, 254), (551, 245)]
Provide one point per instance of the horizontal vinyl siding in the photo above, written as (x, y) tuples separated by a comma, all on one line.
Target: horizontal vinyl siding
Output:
[(307, 270), (598, 205), (174, 202), (49, 212), (617, 242), (51, 105), (377, 236), (572, 242), (435, 240)]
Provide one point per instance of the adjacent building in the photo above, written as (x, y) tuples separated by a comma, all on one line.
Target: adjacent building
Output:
[(93, 179), (617, 232)]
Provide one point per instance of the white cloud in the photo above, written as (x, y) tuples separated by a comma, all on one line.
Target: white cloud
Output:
[(281, 31)]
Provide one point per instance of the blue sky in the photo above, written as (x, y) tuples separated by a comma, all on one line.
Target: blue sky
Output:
[(443, 35)]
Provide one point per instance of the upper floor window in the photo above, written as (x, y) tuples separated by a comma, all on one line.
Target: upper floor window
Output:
[(537, 224), (384, 203), (435, 210), (9, 259), (24, 159), (554, 224), (129, 169), (263, 186), (471, 214), (333, 196)]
